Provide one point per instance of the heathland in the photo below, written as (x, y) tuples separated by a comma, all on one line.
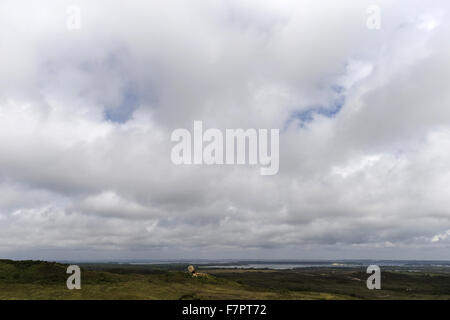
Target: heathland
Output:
[(47, 280)]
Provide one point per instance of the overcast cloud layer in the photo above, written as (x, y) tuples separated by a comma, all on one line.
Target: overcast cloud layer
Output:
[(86, 117)]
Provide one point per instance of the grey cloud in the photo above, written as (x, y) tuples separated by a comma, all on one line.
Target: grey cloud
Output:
[(86, 117)]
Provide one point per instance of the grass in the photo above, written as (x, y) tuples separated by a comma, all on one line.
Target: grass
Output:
[(47, 280)]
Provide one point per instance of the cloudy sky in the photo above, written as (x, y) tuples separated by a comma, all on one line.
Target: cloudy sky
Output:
[(86, 116)]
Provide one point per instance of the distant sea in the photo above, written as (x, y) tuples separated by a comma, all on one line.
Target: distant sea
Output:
[(285, 264), (330, 264)]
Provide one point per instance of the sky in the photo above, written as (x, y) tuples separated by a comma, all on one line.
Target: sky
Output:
[(87, 111)]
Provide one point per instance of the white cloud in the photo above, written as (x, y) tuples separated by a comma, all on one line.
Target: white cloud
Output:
[(86, 117), (440, 237)]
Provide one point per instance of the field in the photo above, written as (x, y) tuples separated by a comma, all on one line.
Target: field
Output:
[(47, 280)]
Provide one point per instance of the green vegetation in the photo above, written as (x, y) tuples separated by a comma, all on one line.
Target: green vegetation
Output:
[(47, 280)]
